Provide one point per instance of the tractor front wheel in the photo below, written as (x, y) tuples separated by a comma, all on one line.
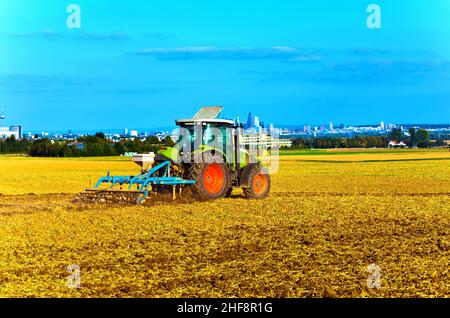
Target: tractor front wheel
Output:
[(258, 184), (213, 180)]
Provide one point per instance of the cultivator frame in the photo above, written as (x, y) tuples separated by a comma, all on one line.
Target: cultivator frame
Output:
[(145, 183)]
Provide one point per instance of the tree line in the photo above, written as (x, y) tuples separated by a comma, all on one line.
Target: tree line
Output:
[(13, 146), (419, 138), (89, 146), (355, 142), (99, 145)]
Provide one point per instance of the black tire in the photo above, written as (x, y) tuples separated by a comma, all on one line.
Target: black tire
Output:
[(200, 190), (256, 191), (229, 192)]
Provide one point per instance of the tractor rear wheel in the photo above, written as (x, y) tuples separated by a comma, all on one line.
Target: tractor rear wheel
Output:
[(258, 184), (213, 180)]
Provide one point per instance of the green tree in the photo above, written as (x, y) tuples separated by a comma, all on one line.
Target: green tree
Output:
[(100, 135), (423, 138), (168, 142), (152, 140), (396, 134), (440, 143), (413, 136), (119, 148)]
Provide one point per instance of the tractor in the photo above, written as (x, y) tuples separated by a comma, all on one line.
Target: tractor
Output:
[(206, 163)]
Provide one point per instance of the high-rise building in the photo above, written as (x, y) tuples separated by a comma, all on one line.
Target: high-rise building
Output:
[(256, 122), (391, 126), (331, 126), (17, 131), (250, 122), (382, 126)]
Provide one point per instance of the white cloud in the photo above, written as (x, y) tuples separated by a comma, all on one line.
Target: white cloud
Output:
[(283, 53)]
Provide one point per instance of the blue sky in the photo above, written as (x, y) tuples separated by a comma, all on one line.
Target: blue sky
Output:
[(143, 64)]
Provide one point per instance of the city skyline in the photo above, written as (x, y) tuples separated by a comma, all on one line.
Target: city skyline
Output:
[(322, 125), (253, 124), (147, 64)]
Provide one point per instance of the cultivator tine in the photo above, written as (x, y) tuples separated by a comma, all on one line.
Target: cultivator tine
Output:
[(111, 196)]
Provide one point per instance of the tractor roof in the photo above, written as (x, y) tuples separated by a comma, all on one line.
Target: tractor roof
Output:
[(220, 122), (209, 112), (207, 115)]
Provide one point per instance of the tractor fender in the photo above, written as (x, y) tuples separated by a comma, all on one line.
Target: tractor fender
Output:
[(245, 175), (205, 149), (170, 153), (246, 171)]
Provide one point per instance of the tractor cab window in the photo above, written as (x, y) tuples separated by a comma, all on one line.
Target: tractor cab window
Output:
[(216, 137), (212, 135)]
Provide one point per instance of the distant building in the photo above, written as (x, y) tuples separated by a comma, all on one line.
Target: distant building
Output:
[(256, 122), (7, 132), (394, 144), (17, 130), (391, 126), (250, 121), (133, 133)]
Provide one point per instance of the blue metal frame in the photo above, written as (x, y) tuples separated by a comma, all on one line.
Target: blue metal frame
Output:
[(146, 180)]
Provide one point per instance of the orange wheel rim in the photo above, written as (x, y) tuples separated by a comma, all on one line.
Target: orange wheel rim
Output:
[(213, 178), (260, 184)]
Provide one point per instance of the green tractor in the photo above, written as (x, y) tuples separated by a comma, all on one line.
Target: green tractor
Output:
[(206, 163), (209, 153)]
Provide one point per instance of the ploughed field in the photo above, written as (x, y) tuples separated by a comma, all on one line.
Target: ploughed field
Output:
[(330, 215)]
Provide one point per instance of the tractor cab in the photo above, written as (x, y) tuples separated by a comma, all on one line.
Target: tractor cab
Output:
[(198, 136), (205, 128), (206, 133)]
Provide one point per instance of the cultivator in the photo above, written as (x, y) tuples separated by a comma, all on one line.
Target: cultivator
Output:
[(138, 188)]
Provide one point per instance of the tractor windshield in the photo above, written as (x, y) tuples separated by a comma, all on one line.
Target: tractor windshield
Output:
[(205, 134)]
